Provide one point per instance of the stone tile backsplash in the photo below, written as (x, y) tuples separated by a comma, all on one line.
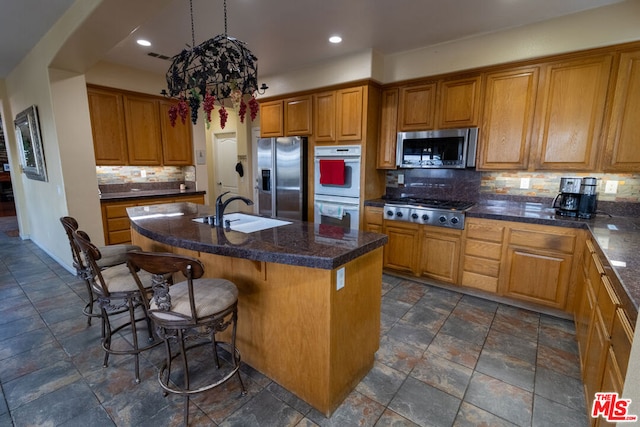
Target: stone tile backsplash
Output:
[(120, 178)]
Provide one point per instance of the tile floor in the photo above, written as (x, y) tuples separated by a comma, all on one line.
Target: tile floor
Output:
[(445, 359)]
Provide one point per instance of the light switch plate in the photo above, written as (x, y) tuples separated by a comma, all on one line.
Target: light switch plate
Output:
[(524, 183), (611, 187), (400, 178)]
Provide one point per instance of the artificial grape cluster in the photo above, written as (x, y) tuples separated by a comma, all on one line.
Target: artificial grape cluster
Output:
[(173, 115), (183, 109), (194, 104), (208, 105), (253, 106), (242, 110), (223, 116)]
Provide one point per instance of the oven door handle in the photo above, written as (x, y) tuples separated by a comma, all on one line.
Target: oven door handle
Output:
[(346, 160)]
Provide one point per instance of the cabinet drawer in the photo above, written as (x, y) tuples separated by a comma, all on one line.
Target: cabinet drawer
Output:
[(542, 240), (117, 224), (607, 302), (483, 249), (482, 266), (116, 237), (487, 232), (373, 215), (116, 211), (479, 281), (621, 339)]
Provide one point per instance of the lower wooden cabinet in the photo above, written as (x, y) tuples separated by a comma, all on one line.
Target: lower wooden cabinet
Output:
[(115, 220), (373, 216), (439, 253), (482, 254), (401, 251)]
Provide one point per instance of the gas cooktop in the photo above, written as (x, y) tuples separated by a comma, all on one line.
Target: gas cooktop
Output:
[(429, 203)]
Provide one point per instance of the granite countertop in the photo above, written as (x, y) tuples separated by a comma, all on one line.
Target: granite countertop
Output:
[(147, 194), (299, 243), (617, 239)]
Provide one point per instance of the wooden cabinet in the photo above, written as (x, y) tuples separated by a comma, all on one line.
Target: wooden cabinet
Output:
[(297, 116), (622, 151), (373, 216), (401, 251), (388, 129), (272, 119), (134, 129), (459, 102), (339, 115), (538, 264), (106, 111), (571, 114), (115, 220), (177, 146), (142, 119), (482, 254), (417, 107), (508, 115), (439, 253)]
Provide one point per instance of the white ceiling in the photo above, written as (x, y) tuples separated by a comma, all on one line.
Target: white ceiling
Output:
[(289, 34)]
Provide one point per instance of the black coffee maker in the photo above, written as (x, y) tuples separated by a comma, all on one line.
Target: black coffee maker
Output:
[(568, 200), (588, 198)]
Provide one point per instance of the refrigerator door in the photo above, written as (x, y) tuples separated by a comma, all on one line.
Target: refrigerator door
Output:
[(266, 175), (291, 178)]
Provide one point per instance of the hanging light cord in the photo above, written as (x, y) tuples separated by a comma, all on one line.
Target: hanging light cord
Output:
[(193, 32)]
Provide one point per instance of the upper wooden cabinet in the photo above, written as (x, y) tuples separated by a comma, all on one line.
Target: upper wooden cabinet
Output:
[(622, 152), (459, 103), (338, 115), (272, 119), (417, 107), (507, 124), (142, 119), (106, 111), (288, 117), (388, 129), (297, 116), (574, 94), (134, 129), (177, 148)]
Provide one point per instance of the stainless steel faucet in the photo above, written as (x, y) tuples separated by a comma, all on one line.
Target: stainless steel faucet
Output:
[(221, 206)]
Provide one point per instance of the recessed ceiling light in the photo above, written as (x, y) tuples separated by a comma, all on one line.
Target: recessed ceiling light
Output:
[(143, 42), (335, 39)]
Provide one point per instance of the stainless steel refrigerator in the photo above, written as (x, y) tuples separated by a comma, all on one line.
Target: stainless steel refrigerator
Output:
[(282, 177)]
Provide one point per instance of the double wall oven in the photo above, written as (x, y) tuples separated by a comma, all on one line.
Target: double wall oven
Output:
[(337, 188)]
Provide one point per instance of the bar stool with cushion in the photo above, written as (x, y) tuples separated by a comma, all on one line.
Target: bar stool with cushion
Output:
[(192, 309), (117, 292), (111, 255)]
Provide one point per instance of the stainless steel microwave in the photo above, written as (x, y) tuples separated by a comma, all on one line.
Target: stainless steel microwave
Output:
[(437, 149)]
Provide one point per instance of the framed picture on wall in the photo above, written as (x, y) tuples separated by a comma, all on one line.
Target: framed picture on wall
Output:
[(30, 142)]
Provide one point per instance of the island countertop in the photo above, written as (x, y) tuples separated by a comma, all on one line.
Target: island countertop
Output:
[(299, 243)]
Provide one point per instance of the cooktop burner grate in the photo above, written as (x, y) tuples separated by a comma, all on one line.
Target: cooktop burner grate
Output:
[(430, 203)]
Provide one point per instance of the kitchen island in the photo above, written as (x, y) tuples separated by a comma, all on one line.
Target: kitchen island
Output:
[(309, 297)]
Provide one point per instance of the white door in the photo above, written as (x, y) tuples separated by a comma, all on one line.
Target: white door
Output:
[(226, 157)]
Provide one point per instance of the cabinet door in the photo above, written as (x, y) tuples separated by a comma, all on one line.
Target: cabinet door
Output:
[(401, 251), (106, 111), (297, 113), (440, 253), (596, 355), (622, 150), (373, 218), (388, 129), (177, 145), (459, 103), (325, 117), (538, 276), (271, 119), (417, 107), (509, 106), (572, 113), (349, 114), (142, 119)]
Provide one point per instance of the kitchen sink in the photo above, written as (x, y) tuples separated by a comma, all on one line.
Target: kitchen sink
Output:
[(246, 223)]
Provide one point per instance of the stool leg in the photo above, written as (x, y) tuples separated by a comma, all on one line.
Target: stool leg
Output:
[(185, 367), (106, 339), (90, 304), (215, 350), (233, 351), (134, 332)]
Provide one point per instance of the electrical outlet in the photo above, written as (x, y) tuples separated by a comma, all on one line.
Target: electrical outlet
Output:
[(524, 183), (340, 279), (400, 178), (143, 173), (611, 187)]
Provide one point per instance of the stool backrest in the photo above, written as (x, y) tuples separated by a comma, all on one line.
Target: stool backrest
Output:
[(70, 226), (162, 265), (91, 256)]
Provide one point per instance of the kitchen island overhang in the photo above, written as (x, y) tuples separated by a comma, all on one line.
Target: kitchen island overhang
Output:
[(309, 303)]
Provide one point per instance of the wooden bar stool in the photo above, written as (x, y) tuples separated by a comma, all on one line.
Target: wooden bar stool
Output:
[(117, 291), (111, 255), (193, 309)]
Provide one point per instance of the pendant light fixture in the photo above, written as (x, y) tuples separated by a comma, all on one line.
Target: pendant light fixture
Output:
[(205, 75)]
